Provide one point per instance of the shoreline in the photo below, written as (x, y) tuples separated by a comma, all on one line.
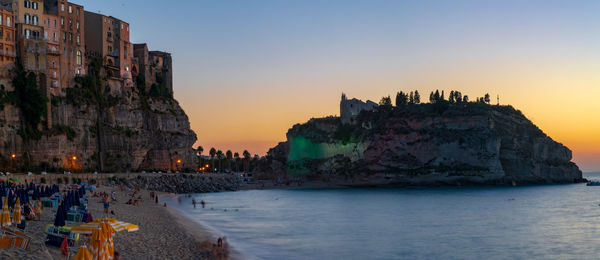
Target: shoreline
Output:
[(201, 233)]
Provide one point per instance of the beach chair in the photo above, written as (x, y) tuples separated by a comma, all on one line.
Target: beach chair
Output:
[(55, 235), (19, 239), (49, 203)]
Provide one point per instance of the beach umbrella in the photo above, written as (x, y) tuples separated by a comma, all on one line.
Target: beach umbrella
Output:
[(83, 254), (98, 245), (59, 221), (5, 215), (17, 212), (116, 225), (108, 235)]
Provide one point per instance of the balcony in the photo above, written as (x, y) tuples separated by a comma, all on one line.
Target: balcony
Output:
[(53, 52), (110, 39), (114, 53), (8, 53)]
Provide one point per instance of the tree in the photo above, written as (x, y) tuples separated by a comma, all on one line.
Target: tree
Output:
[(442, 97), (486, 98), (219, 157), (411, 99), (385, 102), (246, 155), (30, 100), (401, 99), (200, 149), (436, 96), (212, 153), (417, 97), (229, 156), (465, 98), (236, 155), (431, 97), (451, 97)]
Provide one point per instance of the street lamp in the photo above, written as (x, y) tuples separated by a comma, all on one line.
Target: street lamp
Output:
[(12, 158)]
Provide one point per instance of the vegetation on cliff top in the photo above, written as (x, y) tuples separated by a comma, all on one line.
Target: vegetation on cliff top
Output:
[(30, 100)]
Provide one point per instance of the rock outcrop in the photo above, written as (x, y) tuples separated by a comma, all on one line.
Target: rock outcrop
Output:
[(426, 144), (129, 131)]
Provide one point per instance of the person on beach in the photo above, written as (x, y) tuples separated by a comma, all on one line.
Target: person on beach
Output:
[(194, 202), (38, 209), (106, 203), (203, 203)]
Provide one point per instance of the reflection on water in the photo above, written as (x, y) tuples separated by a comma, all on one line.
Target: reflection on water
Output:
[(539, 222)]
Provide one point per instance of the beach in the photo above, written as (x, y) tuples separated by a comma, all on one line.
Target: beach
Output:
[(164, 233)]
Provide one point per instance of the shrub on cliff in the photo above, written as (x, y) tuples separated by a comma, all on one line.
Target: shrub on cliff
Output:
[(30, 100)]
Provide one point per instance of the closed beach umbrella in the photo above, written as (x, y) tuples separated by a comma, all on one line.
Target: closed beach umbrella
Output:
[(108, 235), (5, 215), (59, 221), (83, 254), (17, 212), (116, 225)]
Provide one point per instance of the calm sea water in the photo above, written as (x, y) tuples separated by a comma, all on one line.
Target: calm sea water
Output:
[(528, 222)]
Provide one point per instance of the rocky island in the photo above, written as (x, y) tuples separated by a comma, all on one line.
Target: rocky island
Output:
[(444, 142)]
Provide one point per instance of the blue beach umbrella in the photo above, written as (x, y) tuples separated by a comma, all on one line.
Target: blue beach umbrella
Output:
[(59, 221)]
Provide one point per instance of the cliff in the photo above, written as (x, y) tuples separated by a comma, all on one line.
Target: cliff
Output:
[(99, 125), (426, 144)]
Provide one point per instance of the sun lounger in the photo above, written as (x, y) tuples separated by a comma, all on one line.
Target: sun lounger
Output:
[(19, 239)]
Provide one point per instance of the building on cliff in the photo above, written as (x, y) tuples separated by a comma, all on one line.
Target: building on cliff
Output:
[(69, 27), (107, 38), (7, 38), (155, 67), (350, 108)]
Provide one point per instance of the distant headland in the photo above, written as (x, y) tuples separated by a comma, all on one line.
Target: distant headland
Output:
[(447, 141)]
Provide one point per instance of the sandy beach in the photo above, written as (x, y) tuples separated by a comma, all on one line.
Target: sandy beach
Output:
[(164, 233)]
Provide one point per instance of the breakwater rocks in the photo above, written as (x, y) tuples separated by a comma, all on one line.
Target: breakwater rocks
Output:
[(187, 183)]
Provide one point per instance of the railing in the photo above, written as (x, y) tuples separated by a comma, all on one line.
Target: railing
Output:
[(53, 52)]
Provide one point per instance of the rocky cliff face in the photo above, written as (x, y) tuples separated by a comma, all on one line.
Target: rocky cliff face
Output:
[(130, 131), (446, 144)]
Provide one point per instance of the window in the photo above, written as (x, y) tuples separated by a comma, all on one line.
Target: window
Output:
[(27, 4), (70, 37), (62, 21), (45, 35), (27, 19), (77, 11), (35, 20), (27, 33), (78, 41), (77, 25), (55, 37), (64, 38), (79, 58), (122, 27), (54, 23), (70, 9), (62, 7), (34, 5), (8, 21), (0, 19)]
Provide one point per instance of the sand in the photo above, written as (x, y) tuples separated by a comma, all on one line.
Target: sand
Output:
[(164, 233)]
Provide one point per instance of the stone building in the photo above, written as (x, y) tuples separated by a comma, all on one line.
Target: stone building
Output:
[(71, 39), (350, 108), (107, 38), (31, 46), (8, 53), (156, 67), (52, 37)]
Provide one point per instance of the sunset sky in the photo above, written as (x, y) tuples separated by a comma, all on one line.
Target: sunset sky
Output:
[(246, 71)]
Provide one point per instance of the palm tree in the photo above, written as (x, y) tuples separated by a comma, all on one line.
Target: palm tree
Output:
[(229, 156), (200, 149), (212, 153), (236, 155), (246, 159), (220, 156)]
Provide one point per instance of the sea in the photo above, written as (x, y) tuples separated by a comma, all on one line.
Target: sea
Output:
[(522, 222)]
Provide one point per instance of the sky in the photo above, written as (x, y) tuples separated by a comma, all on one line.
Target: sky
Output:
[(247, 71)]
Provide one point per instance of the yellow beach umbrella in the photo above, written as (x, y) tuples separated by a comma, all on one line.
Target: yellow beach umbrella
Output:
[(17, 212), (116, 225), (108, 235), (83, 254), (5, 215), (97, 244)]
